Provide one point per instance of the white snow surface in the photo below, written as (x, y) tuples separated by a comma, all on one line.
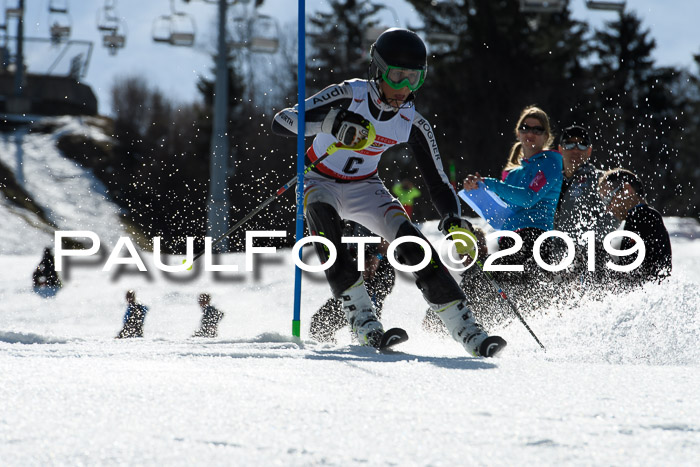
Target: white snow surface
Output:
[(618, 384)]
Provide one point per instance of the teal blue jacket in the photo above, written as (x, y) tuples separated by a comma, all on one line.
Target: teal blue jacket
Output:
[(532, 191)]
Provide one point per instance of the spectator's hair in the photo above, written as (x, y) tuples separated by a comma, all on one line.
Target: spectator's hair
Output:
[(619, 176), (516, 152)]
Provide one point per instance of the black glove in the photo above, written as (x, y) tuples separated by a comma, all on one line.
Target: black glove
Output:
[(348, 127), (464, 238)]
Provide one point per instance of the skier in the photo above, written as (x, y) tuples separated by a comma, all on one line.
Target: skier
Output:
[(210, 318), (133, 318), (45, 278), (379, 277), (623, 196), (346, 185)]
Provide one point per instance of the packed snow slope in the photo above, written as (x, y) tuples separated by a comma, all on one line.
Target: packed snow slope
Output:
[(617, 385)]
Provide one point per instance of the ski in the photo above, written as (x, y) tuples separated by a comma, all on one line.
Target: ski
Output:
[(392, 337)]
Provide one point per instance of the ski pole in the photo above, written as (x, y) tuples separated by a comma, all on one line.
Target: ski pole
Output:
[(496, 285), (331, 149), (505, 297)]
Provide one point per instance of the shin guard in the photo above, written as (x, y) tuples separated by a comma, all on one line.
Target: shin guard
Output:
[(325, 221)]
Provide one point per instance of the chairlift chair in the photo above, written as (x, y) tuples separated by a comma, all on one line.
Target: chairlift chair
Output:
[(182, 29), (114, 41), (372, 33), (606, 5), (58, 6), (239, 36), (442, 38), (60, 25), (107, 18), (264, 34), (113, 31), (542, 6), (160, 31), (13, 12)]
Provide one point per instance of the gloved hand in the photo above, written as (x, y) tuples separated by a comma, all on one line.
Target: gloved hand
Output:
[(348, 127), (464, 238)]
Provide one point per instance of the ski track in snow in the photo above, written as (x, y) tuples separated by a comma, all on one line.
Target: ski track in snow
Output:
[(617, 385)]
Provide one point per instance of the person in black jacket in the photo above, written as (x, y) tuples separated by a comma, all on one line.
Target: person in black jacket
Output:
[(133, 318), (623, 196), (45, 275), (210, 318)]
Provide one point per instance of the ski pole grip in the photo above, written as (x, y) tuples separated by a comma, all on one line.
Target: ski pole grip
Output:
[(362, 144)]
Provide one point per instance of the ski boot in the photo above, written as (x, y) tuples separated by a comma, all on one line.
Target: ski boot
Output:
[(461, 324), (359, 312)]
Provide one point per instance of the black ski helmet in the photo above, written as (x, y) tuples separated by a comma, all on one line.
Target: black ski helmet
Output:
[(400, 48)]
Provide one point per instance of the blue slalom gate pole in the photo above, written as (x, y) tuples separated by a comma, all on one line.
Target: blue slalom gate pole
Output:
[(301, 150)]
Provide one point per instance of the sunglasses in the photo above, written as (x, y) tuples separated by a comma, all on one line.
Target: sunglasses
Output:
[(580, 146), (535, 130), (608, 199), (399, 78)]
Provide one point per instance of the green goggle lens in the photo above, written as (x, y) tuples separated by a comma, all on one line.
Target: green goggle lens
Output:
[(399, 78)]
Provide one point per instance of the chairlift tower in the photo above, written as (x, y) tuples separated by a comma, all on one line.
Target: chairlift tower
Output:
[(18, 12), (176, 29)]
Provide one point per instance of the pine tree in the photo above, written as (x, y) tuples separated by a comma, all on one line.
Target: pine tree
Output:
[(635, 111), (339, 42), (501, 60)]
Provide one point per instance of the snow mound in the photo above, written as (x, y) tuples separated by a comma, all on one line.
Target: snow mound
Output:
[(28, 338), (72, 197), (656, 325)]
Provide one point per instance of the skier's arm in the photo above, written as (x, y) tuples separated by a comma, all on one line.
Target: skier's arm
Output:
[(546, 173), (316, 108), (423, 144)]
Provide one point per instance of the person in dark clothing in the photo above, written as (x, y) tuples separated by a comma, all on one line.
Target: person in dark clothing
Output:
[(133, 318), (623, 196), (580, 209), (45, 275), (379, 277), (210, 318)]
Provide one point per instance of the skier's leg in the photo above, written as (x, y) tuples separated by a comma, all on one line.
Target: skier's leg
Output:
[(324, 221), (442, 292), (376, 209), (345, 280)]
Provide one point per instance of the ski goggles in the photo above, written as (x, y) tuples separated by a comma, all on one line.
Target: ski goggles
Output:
[(399, 78), (572, 145)]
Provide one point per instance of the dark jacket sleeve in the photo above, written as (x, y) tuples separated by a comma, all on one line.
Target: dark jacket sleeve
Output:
[(423, 144)]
